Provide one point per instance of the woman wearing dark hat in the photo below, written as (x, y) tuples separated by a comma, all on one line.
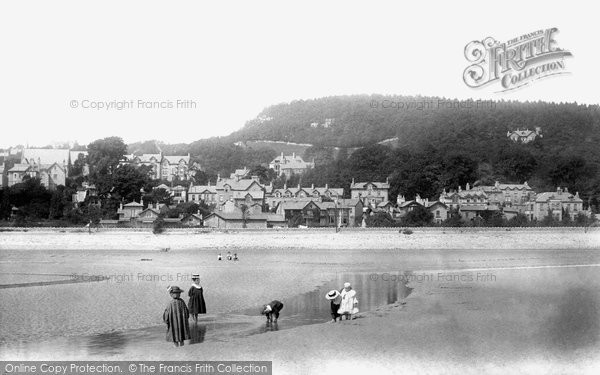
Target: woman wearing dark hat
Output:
[(196, 302), (176, 317), (336, 299)]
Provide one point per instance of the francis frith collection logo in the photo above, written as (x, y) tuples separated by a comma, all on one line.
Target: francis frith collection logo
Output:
[(514, 63)]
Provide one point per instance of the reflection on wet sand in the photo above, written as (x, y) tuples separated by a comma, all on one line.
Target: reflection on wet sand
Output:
[(198, 333)]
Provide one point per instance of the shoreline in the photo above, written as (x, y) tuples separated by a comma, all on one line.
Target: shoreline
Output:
[(553, 238)]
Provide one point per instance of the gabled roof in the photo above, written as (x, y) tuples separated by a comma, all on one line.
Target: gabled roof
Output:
[(255, 194), (149, 209), (363, 185), (562, 196), (20, 168), (243, 184), (45, 156), (435, 203), (176, 159), (295, 205), (202, 189)]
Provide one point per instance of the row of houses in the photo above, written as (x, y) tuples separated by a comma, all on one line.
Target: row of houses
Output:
[(51, 166)]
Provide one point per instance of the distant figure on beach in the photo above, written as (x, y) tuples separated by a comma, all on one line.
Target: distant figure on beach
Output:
[(272, 309), (196, 294), (349, 303), (335, 299), (228, 255), (219, 257), (235, 256), (176, 317)]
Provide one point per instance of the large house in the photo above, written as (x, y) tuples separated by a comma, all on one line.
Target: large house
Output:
[(507, 194), (370, 193), (341, 212), (203, 193), (557, 204), (472, 197), (163, 167), (290, 164), (50, 175), (248, 191), (299, 193), (438, 209)]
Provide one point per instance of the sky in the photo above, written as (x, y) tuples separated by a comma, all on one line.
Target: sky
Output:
[(187, 70)]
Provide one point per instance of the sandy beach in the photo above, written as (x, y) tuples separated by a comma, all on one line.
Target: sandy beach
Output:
[(493, 301), (450, 238)]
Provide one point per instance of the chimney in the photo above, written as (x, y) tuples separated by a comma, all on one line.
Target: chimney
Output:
[(218, 177), (121, 206), (387, 180), (352, 180), (293, 155), (566, 189), (284, 185), (255, 178), (558, 189), (298, 186), (142, 202), (312, 186), (326, 187), (468, 187)]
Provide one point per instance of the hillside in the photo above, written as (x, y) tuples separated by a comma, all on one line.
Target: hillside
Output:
[(422, 143)]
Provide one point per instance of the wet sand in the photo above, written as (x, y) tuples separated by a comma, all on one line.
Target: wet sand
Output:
[(539, 311)]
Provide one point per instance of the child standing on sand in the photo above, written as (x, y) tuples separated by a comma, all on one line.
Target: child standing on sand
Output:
[(349, 303), (196, 294), (176, 317)]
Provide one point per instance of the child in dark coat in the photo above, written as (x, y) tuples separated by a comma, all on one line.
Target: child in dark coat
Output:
[(272, 309), (176, 317)]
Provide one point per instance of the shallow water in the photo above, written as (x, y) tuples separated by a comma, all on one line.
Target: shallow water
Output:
[(307, 308), (90, 316)]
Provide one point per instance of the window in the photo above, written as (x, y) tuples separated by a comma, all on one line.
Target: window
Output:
[(437, 213)]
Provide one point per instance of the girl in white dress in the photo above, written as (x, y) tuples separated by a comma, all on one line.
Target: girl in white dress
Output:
[(349, 304)]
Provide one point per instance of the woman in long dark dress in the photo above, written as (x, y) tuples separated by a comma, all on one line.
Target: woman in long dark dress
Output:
[(196, 303)]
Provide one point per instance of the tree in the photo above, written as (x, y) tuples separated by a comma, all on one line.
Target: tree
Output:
[(245, 214), (104, 156), (31, 198), (159, 195), (380, 219), (520, 220), (515, 164), (128, 180), (265, 175), (419, 216)]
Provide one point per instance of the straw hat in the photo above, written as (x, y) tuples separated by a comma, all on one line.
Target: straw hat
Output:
[(332, 294), (347, 285), (195, 276), (174, 289)]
